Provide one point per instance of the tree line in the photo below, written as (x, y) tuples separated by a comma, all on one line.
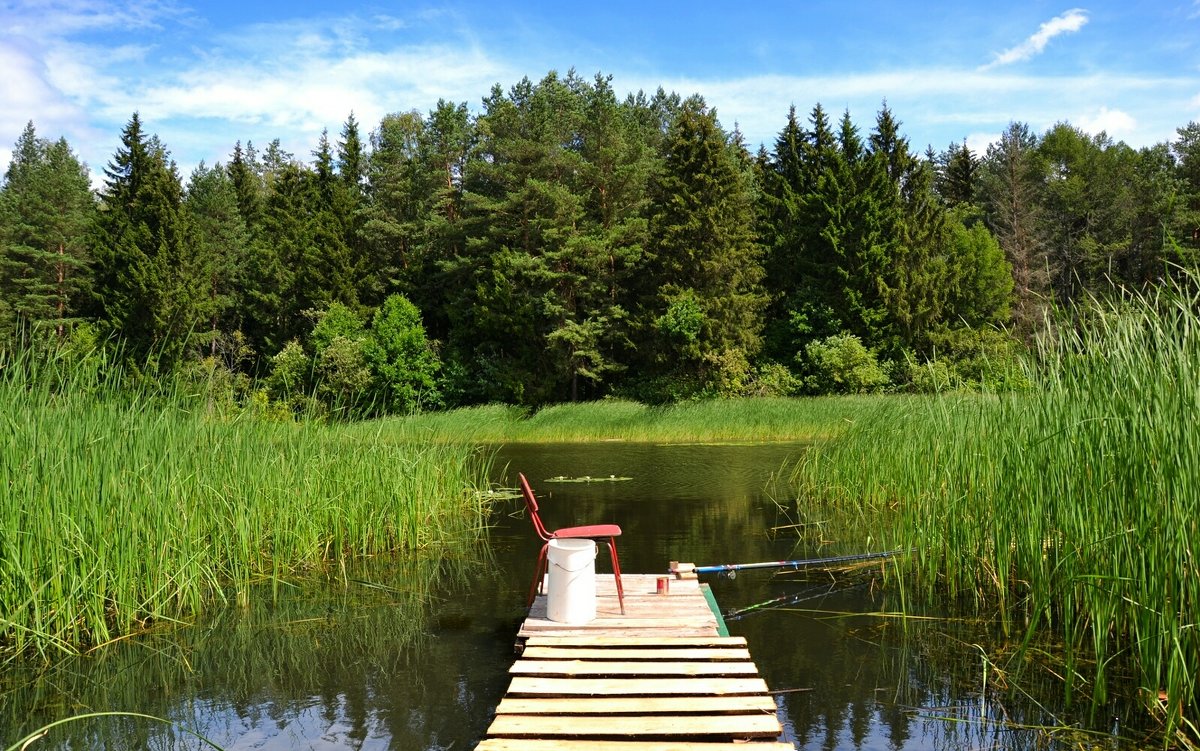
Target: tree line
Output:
[(565, 243)]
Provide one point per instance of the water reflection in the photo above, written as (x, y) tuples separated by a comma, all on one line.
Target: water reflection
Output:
[(415, 656)]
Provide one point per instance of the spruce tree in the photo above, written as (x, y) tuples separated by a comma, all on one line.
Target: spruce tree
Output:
[(219, 243), (327, 273), (147, 282), (703, 249)]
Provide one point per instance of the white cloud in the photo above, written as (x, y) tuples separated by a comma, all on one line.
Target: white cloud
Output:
[(936, 105), (1069, 22), (1113, 122), (979, 142)]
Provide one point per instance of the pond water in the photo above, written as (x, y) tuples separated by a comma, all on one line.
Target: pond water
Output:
[(414, 656)]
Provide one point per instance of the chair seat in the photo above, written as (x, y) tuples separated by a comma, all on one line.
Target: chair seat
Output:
[(591, 530)]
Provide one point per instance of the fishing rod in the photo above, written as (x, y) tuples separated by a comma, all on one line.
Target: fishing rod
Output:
[(731, 569), (793, 598)]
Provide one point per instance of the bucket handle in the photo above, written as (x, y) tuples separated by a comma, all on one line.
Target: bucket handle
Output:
[(595, 554)]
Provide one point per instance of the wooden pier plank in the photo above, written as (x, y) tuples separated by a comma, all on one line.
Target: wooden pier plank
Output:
[(526, 685), (639, 705), (660, 652), (532, 744), (595, 640), (756, 725), (640, 667)]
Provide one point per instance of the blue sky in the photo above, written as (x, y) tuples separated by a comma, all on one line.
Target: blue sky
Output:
[(204, 75)]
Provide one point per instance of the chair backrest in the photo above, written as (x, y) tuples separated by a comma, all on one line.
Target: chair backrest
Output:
[(531, 505)]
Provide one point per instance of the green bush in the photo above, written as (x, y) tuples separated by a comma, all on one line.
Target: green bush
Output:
[(841, 364)]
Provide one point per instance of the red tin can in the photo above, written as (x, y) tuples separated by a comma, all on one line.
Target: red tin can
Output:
[(664, 585)]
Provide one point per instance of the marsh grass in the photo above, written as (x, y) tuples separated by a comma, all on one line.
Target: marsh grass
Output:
[(710, 421), (121, 509), (1075, 508)]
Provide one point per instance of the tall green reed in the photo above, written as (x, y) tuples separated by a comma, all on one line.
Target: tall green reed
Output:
[(1075, 507), (121, 508)]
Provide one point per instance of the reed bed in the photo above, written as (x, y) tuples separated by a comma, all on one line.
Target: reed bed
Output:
[(120, 509), (709, 421), (1075, 507)]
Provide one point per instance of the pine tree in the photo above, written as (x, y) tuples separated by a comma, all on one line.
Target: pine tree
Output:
[(521, 270), (46, 211)]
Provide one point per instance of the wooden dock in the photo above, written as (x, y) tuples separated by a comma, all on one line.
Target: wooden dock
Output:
[(665, 676)]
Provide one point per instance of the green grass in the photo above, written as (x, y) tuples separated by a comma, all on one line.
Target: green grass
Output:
[(119, 510), (711, 421), (1075, 508)]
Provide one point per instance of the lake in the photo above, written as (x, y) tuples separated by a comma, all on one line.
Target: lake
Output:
[(414, 655)]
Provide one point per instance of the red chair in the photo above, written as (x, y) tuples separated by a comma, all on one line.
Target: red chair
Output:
[(608, 532)]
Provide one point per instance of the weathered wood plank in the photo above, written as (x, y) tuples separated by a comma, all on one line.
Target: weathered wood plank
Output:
[(730, 654), (600, 667), (578, 744), (524, 685), (555, 640), (727, 726), (679, 632), (541, 624), (639, 705)]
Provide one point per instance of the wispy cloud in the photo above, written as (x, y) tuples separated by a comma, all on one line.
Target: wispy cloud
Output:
[(1069, 22), (42, 19)]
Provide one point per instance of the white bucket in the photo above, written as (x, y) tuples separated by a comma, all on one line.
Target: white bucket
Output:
[(571, 593)]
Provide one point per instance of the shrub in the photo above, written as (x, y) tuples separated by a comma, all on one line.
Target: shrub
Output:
[(841, 364)]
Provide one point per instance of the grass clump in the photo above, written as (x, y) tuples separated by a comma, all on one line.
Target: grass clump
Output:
[(119, 509), (1075, 507)]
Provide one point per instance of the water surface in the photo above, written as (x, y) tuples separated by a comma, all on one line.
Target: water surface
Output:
[(414, 655)]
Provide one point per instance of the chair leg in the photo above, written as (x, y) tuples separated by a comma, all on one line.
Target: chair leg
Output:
[(538, 573), (616, 564)]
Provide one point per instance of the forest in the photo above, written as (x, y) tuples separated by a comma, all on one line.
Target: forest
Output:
[(565, 244)]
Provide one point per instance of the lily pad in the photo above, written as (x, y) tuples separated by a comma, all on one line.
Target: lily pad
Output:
[(588, 478)]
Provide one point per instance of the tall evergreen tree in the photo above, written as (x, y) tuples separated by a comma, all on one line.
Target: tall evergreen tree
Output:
[(1012, 176), (957, 175), (703, 248), (523, 257), (46, 211), (283, 282), (328, 272), (400, 193), (147, 281), (219, 242)]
